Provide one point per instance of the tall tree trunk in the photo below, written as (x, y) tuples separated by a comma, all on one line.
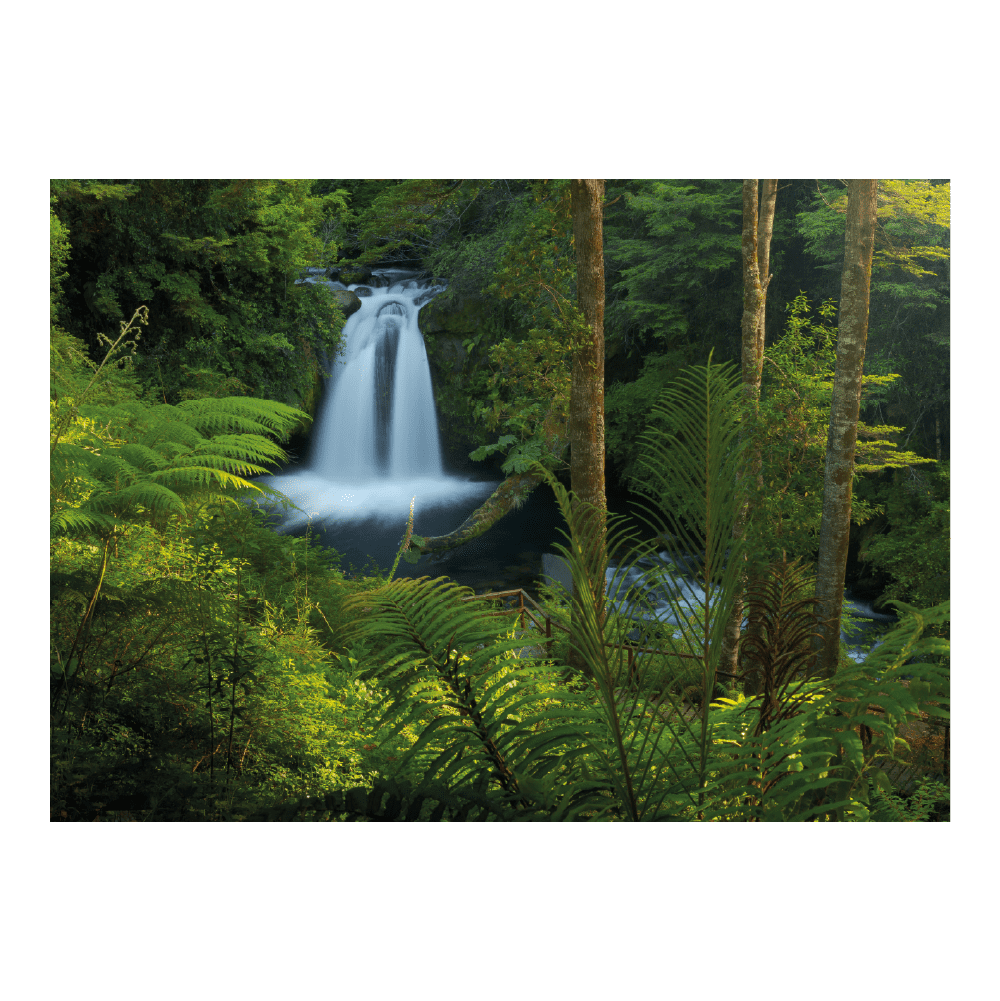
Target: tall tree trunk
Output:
[(586, 416), (584, 431), (852, 335), (756, 246)]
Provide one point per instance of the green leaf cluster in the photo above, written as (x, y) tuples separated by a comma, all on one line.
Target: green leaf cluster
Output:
[(197, 662), (914, 547), (791, 428), (910, 297), (216, 263), (673, 269)]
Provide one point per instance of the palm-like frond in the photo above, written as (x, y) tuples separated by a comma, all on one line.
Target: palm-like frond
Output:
[(694, 484), (639, 738), (811, 763), (780, 646)]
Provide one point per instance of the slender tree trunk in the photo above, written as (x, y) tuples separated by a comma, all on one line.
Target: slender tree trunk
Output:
[(765, 228), (585, 429), (756, 275), (586, 417), (852, 335)]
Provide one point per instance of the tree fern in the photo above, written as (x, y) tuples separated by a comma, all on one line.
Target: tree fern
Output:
[(477, 711), (130, 458), (694, 499), (111, 460)]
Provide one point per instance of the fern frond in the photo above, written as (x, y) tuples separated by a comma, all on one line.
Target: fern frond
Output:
[(483, 722), (694, 484), (71, 521), (254, 446), (242, 414), (212, 471), (141, 457), (647, 747), (780, 646), (637, 736), (130, 457)]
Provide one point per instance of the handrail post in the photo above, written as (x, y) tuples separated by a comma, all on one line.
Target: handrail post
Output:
[(548, 635), (520, 601)]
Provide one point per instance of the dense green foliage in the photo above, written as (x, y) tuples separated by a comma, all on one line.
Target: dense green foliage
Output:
[(915, 551), (503, 739), (674, 280), (518, 256), (215, 262), (908, 330), (791, 426), (184, 632), (205, 667)]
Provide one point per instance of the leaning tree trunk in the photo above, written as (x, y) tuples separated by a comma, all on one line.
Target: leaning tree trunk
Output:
[(756, 247), (509, 496), (586, 409), (852, 335)]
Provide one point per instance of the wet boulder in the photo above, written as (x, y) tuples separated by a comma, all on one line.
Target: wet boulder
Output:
[(349, 301)]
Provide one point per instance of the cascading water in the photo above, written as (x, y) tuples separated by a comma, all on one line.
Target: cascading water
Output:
[(674, 594), (378, 420), (376, 443)]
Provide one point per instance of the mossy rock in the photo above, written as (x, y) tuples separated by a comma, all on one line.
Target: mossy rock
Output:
[(352, 277), (349, 301), (447, 353), (458, 318), (309, 399)]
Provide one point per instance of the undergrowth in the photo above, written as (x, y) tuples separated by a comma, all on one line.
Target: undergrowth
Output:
[(205, 667)]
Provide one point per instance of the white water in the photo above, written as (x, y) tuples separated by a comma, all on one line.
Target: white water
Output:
[(867, 629), (376, 443), (675, 597)]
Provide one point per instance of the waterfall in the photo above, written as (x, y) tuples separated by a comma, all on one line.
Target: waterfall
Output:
[(378, 417), (376, 443)]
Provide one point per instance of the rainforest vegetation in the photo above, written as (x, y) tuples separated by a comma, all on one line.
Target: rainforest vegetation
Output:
[(204, 667)]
